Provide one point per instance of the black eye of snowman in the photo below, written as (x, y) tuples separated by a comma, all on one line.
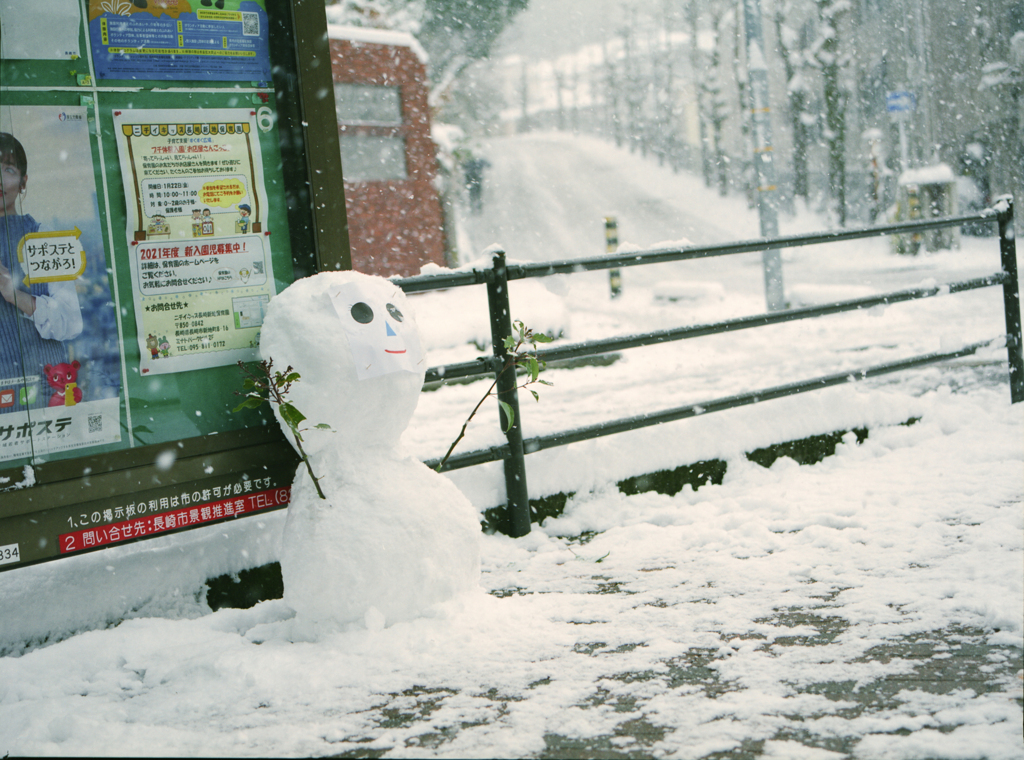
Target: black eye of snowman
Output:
[(394, 312), (362, 313)]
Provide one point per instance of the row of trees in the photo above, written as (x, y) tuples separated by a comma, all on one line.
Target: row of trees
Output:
[(673, 82)]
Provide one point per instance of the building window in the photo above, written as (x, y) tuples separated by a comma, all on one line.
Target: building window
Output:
[(371, 132), (370, 157)]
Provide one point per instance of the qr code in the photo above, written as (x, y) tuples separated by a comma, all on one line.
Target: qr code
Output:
[(95, 423), (257, 267), (251, 24)]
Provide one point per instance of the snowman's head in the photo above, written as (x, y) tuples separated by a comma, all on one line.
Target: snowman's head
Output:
[(352, 339)]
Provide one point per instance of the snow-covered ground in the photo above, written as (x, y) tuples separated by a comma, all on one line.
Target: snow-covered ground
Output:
[(794, 611)]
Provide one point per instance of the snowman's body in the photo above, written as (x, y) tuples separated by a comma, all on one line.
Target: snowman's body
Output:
[(392, 536)]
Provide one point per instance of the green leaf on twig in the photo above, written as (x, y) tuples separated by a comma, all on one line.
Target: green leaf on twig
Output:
[(292, 416), (520, 355), (264, 383), (251, 402), (510, 416)]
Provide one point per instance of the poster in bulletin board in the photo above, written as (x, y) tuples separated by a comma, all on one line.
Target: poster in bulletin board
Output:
[(198, 243), (60, 366), (210, 40), (154, 159)]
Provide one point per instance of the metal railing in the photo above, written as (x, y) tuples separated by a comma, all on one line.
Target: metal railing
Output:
[(513, 452)]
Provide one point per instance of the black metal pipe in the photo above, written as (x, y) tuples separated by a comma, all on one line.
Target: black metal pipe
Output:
[(481, 367), (589, 348), (470, 458), (539, 443), (497, 286), (454, 279), (443, 280), (729, 402), (665, 255), (518, 497), (1011, 297)]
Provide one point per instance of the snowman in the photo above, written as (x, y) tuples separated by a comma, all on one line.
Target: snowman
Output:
[(393, 537)]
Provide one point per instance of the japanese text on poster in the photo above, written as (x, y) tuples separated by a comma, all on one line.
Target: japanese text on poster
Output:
[(200, 253), (137, 40), (145, 519)]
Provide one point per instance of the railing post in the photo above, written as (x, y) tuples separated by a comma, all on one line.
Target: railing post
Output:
[(611, 245), (1011, 297), (517, 495)]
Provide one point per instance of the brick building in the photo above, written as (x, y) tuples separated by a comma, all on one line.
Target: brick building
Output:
[(388, 156)]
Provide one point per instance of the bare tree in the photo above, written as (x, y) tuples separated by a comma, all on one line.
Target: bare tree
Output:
[(700, 74), (793, 50), (714, 99), (829, 57)]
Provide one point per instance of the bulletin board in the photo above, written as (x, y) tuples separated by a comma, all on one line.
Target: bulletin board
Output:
[(158, 194)]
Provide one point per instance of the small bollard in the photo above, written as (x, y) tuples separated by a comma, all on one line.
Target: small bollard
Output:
[(611, 237)]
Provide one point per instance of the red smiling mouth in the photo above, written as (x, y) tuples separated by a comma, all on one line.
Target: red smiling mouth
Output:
[(389, 351)]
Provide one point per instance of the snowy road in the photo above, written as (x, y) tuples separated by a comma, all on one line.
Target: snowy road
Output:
[(546, 196)]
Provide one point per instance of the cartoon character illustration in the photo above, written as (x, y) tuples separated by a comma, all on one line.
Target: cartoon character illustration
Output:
[(207, 222), (63, 378), (242, 222), (165, 347), (158, 226), (153, 345), (197, 223)]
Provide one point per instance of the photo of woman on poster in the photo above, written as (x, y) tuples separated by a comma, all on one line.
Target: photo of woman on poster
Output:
[(35, 319), (60, 357)]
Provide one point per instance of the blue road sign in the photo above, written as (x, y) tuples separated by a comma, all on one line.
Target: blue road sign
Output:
[(900, 102)]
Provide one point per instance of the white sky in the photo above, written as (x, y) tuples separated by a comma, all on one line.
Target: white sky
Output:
[(548, 28)]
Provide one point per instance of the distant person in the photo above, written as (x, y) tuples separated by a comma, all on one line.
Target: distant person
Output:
[(473, 171), (36, 319)]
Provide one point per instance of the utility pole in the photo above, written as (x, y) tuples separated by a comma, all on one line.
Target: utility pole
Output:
[(761, 125)]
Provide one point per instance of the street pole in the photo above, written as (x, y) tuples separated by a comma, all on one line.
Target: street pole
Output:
[(757, 70)]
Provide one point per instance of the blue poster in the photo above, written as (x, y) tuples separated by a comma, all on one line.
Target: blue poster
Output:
[(215, 40)]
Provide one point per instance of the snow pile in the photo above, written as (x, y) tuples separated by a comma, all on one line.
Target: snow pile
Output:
[(678, 290), (458, 317), (928, 175), (806, 294)]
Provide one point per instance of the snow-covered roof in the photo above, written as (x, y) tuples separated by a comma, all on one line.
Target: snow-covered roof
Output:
[(928, 175), (376, 37)]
